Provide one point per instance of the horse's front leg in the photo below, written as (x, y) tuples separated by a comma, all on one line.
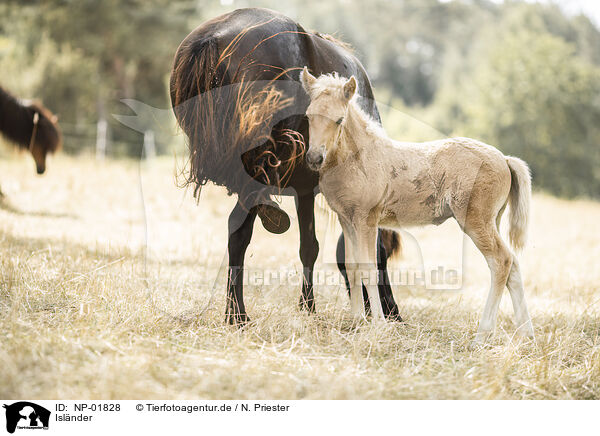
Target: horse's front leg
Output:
[(240, 224), (366, 253), (309, 248)]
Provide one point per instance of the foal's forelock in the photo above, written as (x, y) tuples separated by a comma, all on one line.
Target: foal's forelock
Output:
[(354, 123)]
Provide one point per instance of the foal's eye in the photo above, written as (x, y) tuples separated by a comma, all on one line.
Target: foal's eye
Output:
[(339, 121)]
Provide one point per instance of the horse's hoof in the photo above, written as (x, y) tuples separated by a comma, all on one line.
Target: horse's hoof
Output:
[(395, 317), (273, 218), (307, 305), (237, 319)]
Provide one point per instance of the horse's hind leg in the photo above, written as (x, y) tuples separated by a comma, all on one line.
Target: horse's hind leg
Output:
[(241, 223), (517, 295), (309, 248), (388, 304), (499, 260)]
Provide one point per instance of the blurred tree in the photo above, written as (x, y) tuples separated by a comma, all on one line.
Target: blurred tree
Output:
[(132, 42), (519, 75), (532, 96), (87, 55)]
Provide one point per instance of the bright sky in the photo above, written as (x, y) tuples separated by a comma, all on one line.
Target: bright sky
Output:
[(591, 8)]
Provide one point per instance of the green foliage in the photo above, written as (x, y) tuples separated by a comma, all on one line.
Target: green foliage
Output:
[(531, 95), (540, 100)]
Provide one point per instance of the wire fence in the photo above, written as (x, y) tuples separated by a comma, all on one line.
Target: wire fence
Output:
[(98, 139)]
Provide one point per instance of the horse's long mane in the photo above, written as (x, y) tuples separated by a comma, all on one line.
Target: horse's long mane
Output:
[(337, 41), (16, 123), (227, 118), (227, 93)]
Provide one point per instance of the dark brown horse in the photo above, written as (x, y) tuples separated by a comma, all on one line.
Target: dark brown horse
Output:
[(236, 94), (30, 126)]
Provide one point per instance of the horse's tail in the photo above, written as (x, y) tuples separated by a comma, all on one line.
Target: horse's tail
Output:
[(392, 243), (223, 114), (520, 201)]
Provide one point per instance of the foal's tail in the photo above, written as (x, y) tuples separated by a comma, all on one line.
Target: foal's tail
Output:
[(520, 199)]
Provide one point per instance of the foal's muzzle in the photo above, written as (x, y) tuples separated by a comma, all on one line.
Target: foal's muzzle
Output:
[(315, 158)]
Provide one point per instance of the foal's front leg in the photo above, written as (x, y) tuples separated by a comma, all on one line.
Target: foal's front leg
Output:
[(366, 254), (356, 298)]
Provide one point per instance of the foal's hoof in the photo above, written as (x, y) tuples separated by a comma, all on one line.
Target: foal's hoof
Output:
[(273, 218), (479, 342), (525, 333), (476, 346)]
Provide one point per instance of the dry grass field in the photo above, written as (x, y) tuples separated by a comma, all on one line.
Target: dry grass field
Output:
[(107, 271)]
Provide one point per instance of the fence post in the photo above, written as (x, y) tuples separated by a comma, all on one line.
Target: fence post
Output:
[(101, 139), (149, 145)]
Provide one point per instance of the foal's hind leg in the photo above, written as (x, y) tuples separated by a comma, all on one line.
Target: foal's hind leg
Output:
[(515, 286), (499, 260)]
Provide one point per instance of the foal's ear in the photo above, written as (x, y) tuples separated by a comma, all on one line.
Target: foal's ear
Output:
[(307, 79), (350, 88)]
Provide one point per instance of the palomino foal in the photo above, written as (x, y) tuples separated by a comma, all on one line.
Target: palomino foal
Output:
[(371, 181)]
